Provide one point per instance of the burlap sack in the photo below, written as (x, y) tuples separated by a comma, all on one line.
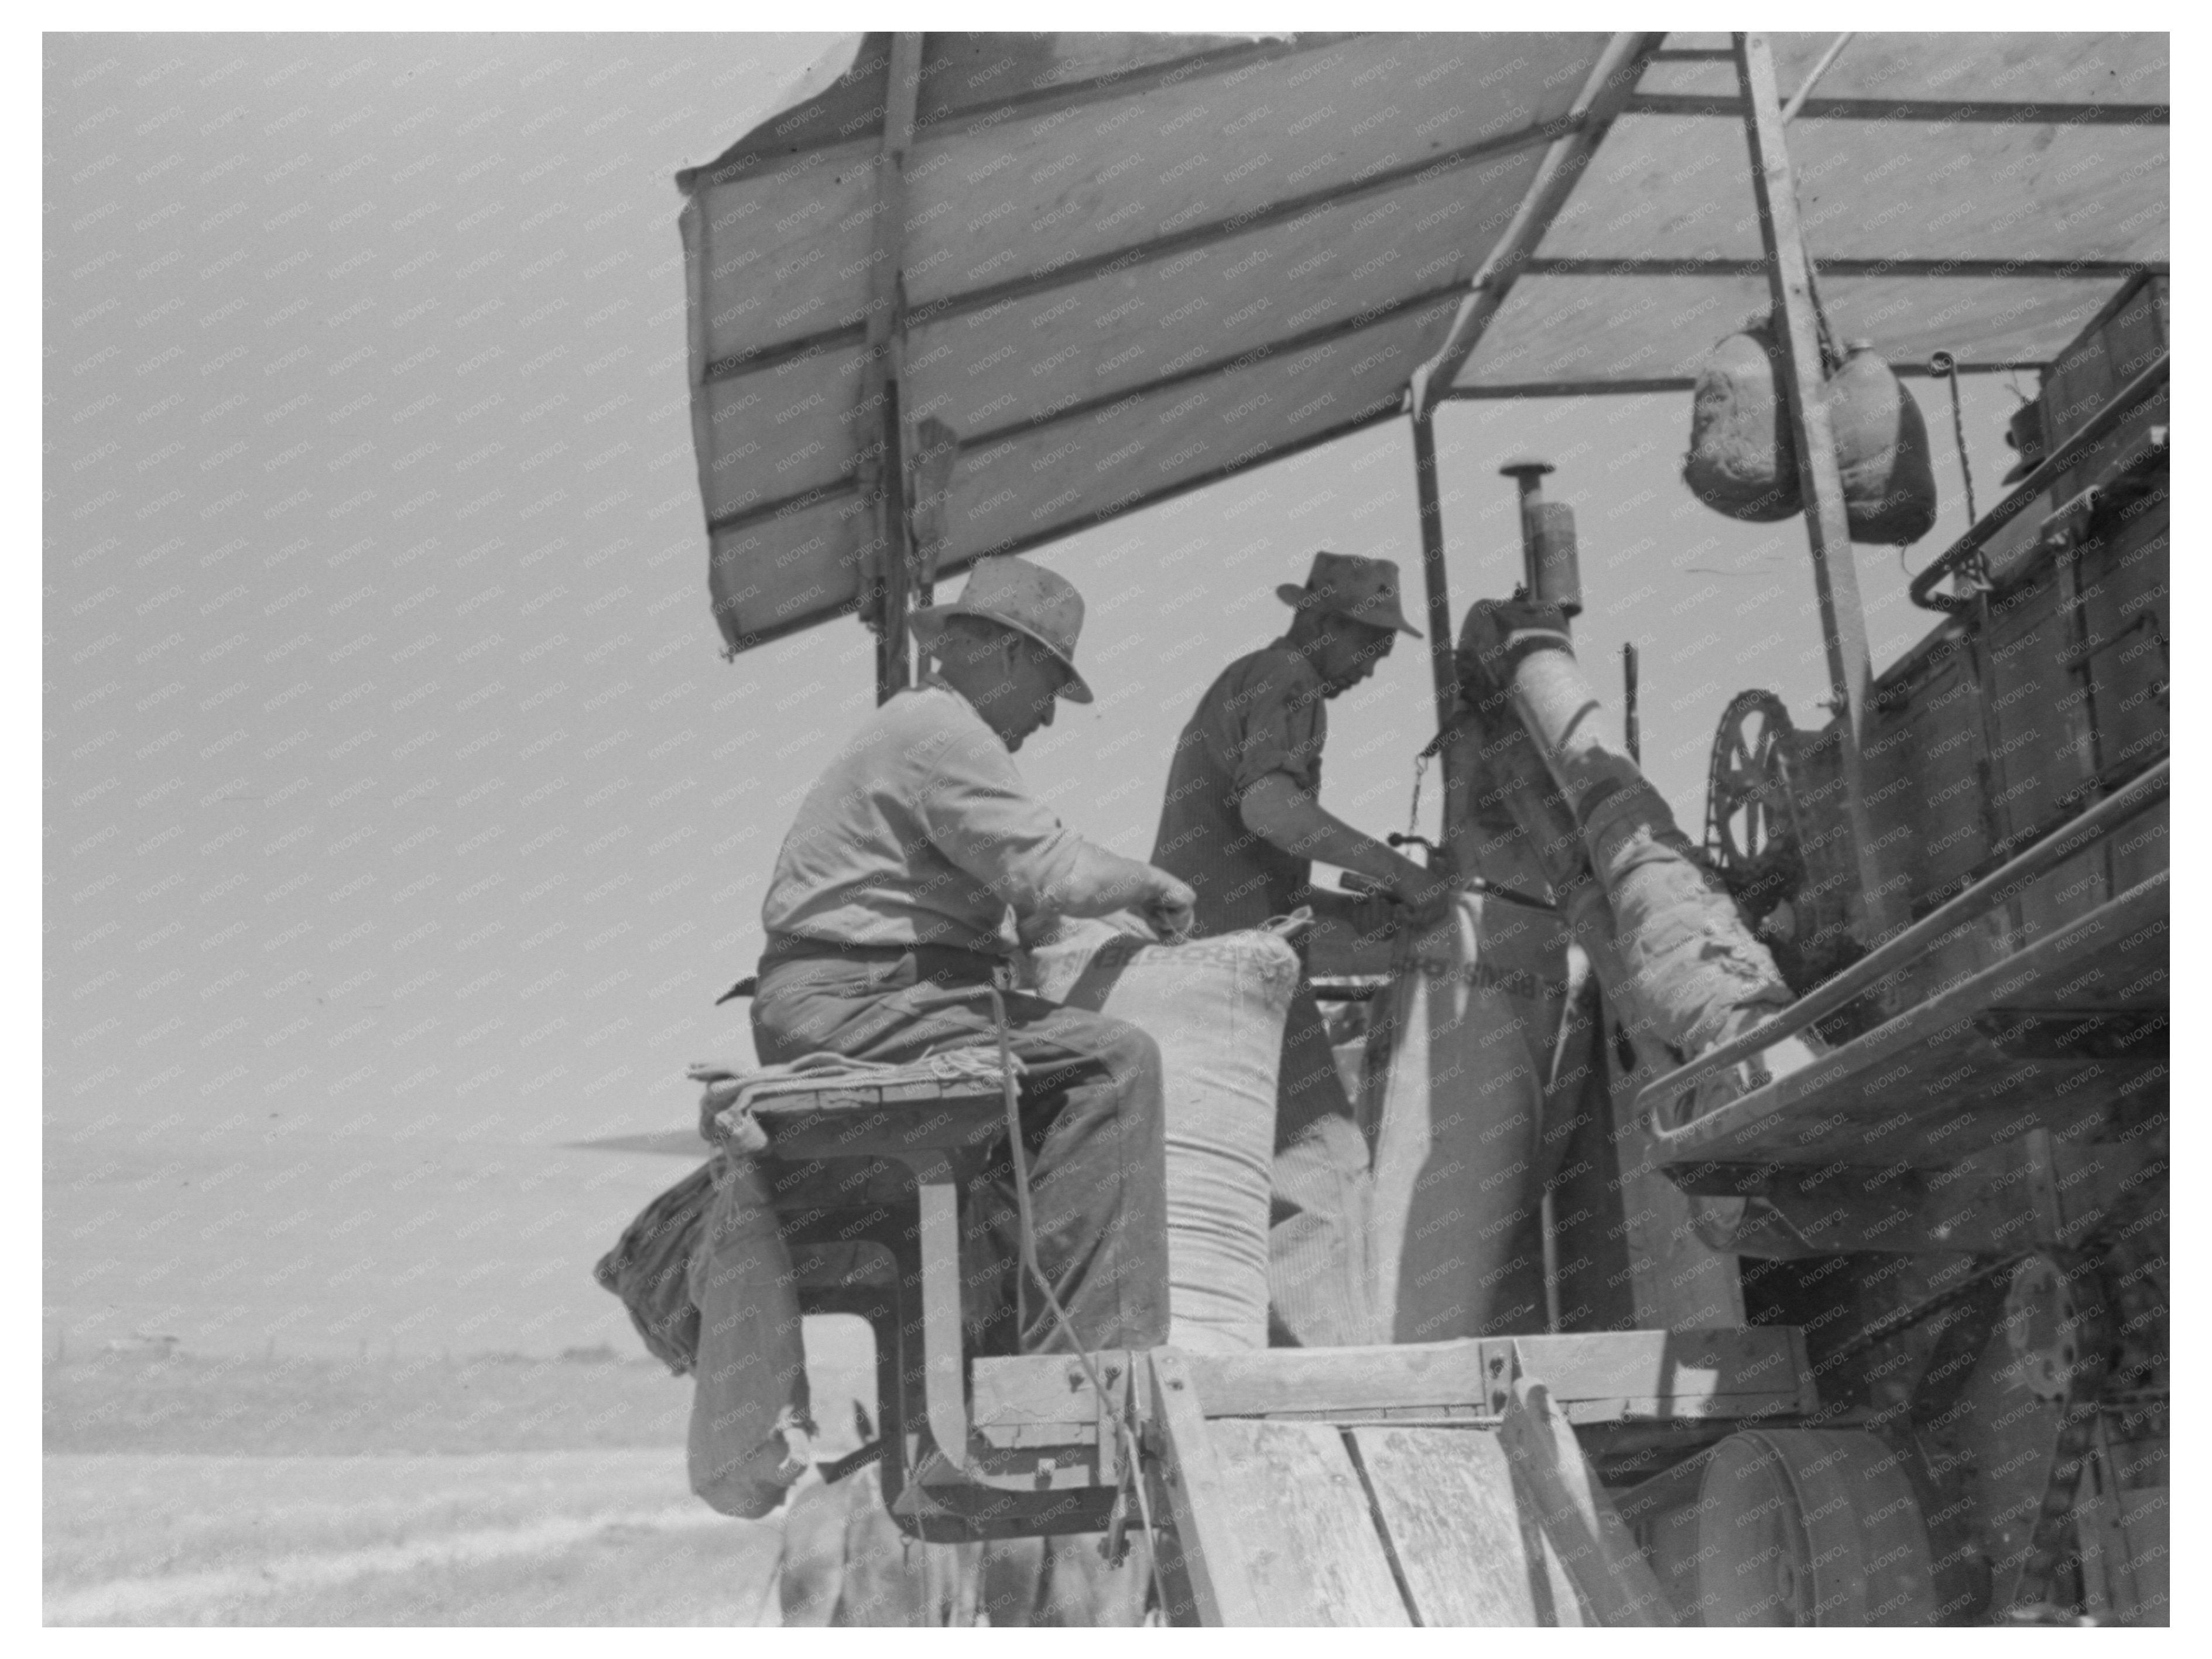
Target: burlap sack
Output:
[(1216, 1007)]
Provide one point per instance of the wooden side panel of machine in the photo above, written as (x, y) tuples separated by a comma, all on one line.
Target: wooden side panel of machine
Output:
[(1307, 1534), (1465, 1538)]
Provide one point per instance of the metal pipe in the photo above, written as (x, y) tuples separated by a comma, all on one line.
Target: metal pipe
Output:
[(2137, 797), (1612, 84), (1529, 476), (2059, 460), (1446, 674), (1804, 91), (1631, 729)]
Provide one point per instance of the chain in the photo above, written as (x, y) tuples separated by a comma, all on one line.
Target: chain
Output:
[(2080, 1406), (2077, 1422), (1904, 1319), (1420, 771)]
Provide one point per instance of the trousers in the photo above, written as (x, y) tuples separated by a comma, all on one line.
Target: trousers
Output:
[(1092, 1114)]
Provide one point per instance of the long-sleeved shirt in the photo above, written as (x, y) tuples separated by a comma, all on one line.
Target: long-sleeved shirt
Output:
[(918, 832), (1265, 713)]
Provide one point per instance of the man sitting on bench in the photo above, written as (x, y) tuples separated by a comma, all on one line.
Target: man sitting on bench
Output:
[(888, 911)]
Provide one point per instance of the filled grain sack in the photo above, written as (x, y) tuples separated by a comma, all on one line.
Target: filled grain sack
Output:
[(650, 1268), (1216, 1007), (750, 1419)]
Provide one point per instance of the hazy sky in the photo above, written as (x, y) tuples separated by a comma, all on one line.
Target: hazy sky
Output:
[(402, 820)]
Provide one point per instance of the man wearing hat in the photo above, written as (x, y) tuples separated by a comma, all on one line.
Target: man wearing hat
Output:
[(892, 906), (1243, 823)]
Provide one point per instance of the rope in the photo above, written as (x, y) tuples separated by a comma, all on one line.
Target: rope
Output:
[(1131, 1451)]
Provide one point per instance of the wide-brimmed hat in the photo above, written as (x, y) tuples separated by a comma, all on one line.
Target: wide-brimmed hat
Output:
[(1351, 584), (1022, 596)]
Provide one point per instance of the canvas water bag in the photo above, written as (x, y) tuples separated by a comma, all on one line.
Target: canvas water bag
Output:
[(1882, 449), (750, 1419), (1216, 1007), (1742, 462)]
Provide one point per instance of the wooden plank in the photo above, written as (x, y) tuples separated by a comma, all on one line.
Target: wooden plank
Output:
[(1615, 76), (1466, 1543), (1209, 1548), (1610, 1573), (1299, 1514), (882, 463), (1690, 1374), (1835, 576)]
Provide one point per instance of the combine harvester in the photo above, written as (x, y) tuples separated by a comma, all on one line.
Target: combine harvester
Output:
[(1853, 1299)]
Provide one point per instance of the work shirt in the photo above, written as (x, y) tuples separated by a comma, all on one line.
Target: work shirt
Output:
[(1265, 713), (918, 832)]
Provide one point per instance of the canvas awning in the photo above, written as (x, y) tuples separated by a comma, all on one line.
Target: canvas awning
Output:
[(1978, 194), (1133, 264)]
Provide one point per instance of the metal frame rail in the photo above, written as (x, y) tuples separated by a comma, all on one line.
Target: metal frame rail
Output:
[(2122, 404), (2135, 798)]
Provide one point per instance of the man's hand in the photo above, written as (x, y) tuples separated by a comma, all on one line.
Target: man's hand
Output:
[(1427, 898), (1171, 907)]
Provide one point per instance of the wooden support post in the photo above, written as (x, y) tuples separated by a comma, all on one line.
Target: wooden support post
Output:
[(1594, 1545), (1432, 563), (1835, 578), (1206, 1534), (937, 452), (887, 575), (1432, 560)]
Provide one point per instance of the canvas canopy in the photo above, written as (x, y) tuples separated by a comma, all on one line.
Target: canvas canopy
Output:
[(1121, 266)]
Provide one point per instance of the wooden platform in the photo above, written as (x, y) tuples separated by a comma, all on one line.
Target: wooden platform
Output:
[(2048, 1038), (1426, 1484), (1267, 1520)]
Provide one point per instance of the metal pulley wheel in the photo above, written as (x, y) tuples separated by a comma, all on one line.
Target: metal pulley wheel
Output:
[(1753, 834), (1811, 1527)]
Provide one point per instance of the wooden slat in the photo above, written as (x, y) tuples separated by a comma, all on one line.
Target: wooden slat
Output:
[(1207, 1542), (1874, 909), (1595, 1376), (1467, 1546), (1614, 1581), (1302, 1521)]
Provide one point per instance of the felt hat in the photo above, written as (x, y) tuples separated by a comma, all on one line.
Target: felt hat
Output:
[(1354, 586), (1022, 596)]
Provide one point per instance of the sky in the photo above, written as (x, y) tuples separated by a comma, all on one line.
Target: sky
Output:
[(402, 818)]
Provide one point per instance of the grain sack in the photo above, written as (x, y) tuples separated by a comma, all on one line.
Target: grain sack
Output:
[(749, 1412), (650, 1268), (1216, 1007)]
